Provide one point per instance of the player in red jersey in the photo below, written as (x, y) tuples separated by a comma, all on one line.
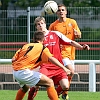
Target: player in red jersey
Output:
[(52, 41), (70, 29)]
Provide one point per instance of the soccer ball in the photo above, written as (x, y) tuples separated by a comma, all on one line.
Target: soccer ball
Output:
[(50, 7)]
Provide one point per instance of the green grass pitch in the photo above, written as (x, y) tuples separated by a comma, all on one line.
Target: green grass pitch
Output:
[(75, 95)]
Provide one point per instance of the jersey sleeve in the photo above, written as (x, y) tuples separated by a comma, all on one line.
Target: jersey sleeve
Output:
[(63, 39), (45, 55), (15, 57), (51, 27), (76, 27)]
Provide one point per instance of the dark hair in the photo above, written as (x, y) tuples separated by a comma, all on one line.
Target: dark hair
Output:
[(62, 5), (38, 36), (68, 12)]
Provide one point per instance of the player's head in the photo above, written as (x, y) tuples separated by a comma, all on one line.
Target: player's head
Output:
[(40, 23), (62, 5), (62, 10), (38, 36)]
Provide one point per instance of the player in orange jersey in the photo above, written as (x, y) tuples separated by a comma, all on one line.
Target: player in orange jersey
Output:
[(29, 57), (70, 29)]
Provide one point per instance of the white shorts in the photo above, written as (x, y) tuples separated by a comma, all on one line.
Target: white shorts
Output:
[(28, 77), (67, 61)]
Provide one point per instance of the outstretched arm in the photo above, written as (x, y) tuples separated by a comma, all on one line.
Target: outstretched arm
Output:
[(77, 45)]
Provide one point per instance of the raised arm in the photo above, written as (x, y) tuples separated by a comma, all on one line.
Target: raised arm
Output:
[(64, 40)]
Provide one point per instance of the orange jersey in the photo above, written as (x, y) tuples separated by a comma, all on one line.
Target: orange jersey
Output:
[(28, 57), (67, 28)]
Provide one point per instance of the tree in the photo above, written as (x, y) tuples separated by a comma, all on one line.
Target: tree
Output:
[(4, 4), (26, 3), (29, 3), (82, 3)]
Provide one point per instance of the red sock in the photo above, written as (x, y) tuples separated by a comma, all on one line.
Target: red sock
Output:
[(32, 93), (52, 94), (59, 90), (20, 95)]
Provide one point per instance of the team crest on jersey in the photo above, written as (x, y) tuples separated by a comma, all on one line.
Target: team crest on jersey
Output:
[(51, 37), (69, 24), (45, 38)]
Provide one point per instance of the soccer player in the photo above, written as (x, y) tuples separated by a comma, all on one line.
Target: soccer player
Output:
[(52, 41), (29, 57), (70, 29)]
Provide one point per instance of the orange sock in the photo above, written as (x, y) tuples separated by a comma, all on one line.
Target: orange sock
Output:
[(69, 79), (52, 94), (20, 95), (65, 92)]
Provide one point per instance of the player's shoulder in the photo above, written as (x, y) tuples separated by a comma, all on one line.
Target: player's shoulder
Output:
[(71, 20), (54, 32), (53, 23), (28, 44), (33, 44)]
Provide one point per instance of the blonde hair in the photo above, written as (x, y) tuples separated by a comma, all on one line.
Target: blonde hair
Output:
[(39, 19)]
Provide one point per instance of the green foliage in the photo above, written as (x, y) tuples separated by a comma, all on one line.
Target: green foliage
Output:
[(27, 3), (15, 35), (83, 3), (34, 3), (87, 55), (90, 34), (4, 4), (6, 54)]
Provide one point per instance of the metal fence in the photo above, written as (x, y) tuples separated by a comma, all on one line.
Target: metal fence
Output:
[(18, 26)]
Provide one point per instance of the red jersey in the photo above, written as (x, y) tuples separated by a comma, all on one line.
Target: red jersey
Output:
[(52, 41)]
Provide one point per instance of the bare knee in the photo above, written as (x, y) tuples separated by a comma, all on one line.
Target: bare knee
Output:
[(50, 82), (45, 81), (64, 87), (64, 84)]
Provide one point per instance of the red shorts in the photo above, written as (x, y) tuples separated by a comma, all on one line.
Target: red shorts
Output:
[(56, 75)]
